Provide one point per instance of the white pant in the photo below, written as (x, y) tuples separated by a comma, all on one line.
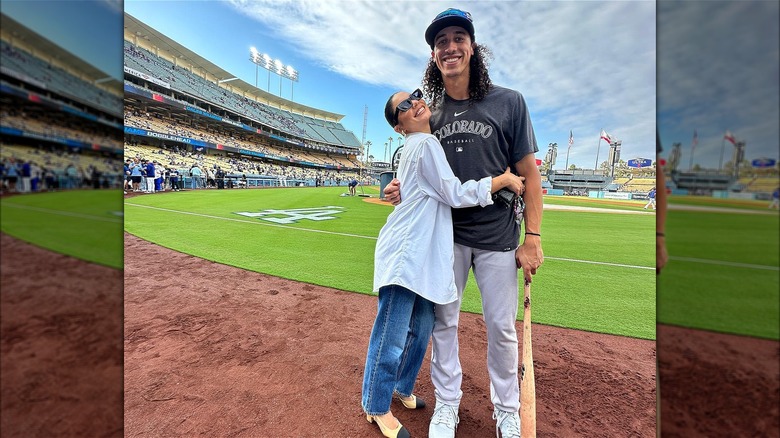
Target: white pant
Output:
[(497, 278), (150, 184)]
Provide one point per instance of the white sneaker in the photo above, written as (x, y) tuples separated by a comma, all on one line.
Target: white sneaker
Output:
[(507, 423), (444, 421)]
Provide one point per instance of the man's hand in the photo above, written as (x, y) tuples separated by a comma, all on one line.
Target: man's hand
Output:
[(392, 192), (529, 256), (661, 256)]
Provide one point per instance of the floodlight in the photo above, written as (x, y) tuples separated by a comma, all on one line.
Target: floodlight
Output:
[(272, 65)]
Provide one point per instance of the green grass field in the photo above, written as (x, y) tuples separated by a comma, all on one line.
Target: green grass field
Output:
[(598, 274), (722, 275), (723, 270), (86, 224)]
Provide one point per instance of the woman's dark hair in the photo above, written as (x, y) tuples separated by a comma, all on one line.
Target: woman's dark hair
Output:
[(390, 110), (479, 79)]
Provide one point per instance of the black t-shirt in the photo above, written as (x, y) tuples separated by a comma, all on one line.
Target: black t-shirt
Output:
[(482, 139)]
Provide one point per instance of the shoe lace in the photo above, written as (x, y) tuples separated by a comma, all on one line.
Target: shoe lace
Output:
[(446, 415), (508, 423)]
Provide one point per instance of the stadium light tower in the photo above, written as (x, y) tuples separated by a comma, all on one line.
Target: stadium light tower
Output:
[(275, 66)]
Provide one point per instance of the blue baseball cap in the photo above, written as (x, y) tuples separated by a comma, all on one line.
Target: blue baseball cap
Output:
[(450, 17)]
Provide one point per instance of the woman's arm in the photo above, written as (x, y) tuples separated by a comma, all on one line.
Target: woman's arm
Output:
[(438, 181)]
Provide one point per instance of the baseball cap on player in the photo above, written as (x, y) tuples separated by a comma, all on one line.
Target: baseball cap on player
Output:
[(450, 17)]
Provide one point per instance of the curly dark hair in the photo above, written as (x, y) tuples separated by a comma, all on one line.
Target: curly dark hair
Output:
[(479, 79)]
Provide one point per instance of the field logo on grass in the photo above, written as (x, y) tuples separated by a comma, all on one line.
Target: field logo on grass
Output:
[(294, 215)]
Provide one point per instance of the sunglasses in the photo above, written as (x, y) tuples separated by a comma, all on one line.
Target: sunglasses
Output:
[(406, 104)]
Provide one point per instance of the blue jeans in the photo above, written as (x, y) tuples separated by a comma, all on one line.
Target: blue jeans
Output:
[(397, 346)]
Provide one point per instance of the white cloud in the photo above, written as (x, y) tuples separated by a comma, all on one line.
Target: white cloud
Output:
[(718, 69), (581, 65), (114, 5)]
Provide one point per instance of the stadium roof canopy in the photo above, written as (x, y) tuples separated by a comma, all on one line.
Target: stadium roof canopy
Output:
[(136, 30), (17, 34)]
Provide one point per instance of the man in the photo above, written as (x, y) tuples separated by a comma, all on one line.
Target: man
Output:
[(158, 176), (149, 176), (128, 179), (195, 174), (174, 179), (483, 130), (661, 256), (651, 198), (220, 175), (775, 199), (353, 187)]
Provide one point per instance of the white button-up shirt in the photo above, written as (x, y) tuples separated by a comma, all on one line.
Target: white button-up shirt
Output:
[(415, 247)]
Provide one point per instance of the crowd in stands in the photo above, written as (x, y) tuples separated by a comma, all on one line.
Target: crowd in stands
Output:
[(54, 125), (634, 185), (26, 169), (57, 79), (317, 134), (759, 183), (258, 172), (230, 136)]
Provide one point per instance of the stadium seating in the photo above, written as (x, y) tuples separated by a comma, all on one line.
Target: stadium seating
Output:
[(57, 79), (639, 185), (760, 184), (183, 161), (185, 81)]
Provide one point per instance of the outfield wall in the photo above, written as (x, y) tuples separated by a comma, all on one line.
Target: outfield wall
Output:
[(722, 194), (598, 194)]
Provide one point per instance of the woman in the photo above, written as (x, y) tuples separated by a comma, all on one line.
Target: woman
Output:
[(136, 174), (414, 260)]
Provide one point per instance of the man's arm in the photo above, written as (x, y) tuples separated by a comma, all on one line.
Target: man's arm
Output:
[(529, 255), (661, 256)]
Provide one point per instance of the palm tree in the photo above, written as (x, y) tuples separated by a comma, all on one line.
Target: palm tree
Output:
[(390, 141), (366, 149)]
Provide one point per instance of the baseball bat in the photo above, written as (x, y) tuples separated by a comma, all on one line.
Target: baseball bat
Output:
[(527, 386)]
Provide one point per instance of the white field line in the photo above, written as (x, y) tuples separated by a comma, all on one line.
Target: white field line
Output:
[(351, 235), (254, 222), (594, 209), (599, 263), (63, 213), (708, 209), (725, 263)]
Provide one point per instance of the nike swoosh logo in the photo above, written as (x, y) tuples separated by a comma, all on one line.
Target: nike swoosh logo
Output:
[(459, 113)]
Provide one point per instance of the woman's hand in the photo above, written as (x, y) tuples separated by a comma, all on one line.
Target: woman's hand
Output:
[(513, 182)]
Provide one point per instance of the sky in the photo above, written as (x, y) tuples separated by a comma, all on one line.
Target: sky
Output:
[(582, 66), (718, 69), (89, 29)]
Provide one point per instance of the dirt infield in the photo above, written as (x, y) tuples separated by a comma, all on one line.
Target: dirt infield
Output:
[(61, 331), (216, 351)]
